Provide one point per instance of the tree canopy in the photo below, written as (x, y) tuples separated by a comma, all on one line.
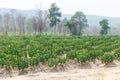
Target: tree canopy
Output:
[(77, 23), (80, 20), (105, 26), (54, 14), (71, 26)]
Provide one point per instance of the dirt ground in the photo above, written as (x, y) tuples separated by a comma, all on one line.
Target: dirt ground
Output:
[(95, 72)]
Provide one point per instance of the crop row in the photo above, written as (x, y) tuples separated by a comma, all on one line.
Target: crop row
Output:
[(25, 51)]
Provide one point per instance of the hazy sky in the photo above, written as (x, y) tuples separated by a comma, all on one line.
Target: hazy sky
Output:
[(98, 7)]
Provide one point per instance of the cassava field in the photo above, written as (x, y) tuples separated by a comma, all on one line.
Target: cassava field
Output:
[(29, 54)]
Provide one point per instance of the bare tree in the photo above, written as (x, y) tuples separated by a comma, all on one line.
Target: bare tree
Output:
[(0, 18), (0, 22), (60, 28), (21, 23), (41, 19), (13, 18), (34, 24), (45, 20), (92, 30), (6, 23)]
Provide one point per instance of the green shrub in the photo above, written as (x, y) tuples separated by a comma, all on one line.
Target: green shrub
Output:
[(62, 60), (107, 58), (71, 55), (82, 57), (52, 62), (93, 54), (117, 54)]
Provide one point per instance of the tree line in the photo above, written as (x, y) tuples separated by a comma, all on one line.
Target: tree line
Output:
[(47, 22)]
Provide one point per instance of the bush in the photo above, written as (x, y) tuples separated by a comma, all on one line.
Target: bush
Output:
[(117, 54), (71, 55), (52, 62), (82, 58), (93, 54), (107, 58), (62, 60)]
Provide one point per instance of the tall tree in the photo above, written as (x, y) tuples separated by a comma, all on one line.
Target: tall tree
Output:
[(80, 20), (71, 25), (54, 15), (105, 26)]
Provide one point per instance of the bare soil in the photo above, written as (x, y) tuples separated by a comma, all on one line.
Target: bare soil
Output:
[(73, 71)]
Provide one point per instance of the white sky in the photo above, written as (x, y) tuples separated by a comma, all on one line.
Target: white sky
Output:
[(97, 7)]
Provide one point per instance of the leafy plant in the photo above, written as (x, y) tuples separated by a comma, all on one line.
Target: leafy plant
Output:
[(62, 60), (82, 57), (52, 62), (107, 58)]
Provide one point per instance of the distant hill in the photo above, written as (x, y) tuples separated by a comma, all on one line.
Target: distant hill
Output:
[(93, 20), (27, 13)]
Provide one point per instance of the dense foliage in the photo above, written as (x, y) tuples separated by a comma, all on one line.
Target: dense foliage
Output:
[(54, 15), (105, 26), (24, 51), (77, 23)]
